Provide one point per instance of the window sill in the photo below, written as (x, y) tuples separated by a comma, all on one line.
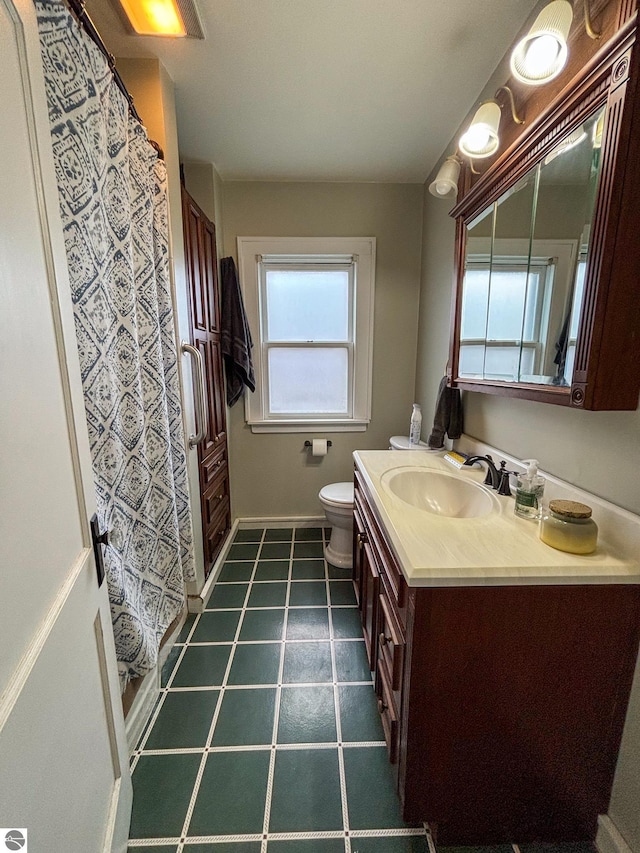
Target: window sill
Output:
[(309, 426)]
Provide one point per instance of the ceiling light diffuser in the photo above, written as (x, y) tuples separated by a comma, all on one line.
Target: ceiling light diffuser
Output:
[(542, 53), (481, 138), (154, 17)]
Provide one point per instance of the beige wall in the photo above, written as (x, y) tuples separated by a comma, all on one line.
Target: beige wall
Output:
[(598, 451), (272, 475)]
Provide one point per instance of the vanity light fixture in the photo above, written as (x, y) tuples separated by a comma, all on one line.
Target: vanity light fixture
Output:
[(481, 137), (446, 182), (542, 53)]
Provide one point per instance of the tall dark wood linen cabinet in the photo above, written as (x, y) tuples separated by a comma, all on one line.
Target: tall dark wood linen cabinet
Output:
[(204, 316)]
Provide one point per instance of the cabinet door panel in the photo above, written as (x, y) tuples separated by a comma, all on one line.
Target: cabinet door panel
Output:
[(390, 643), (370, 594), (388, 712)]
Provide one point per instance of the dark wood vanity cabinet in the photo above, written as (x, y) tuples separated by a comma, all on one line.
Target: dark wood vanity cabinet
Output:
[(502, 706)]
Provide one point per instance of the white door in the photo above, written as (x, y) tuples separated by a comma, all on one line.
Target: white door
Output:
[(63, 758)]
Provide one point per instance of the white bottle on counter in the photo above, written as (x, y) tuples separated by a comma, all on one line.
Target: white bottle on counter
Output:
[(416, 425)]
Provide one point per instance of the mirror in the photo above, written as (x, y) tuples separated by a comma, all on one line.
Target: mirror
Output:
[(547, 279), (524, 268)]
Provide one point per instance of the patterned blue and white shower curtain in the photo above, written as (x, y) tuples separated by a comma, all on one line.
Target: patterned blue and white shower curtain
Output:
[(113, 200)]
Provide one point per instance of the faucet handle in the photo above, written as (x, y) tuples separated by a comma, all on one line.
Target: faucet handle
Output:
[(503, 486)]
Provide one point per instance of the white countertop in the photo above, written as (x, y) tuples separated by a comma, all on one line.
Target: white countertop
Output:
[(496, 549)]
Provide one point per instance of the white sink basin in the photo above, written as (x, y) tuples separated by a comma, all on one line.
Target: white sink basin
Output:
[(438, 493)]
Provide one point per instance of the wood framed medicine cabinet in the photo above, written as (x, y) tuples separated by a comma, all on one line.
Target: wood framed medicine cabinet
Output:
[(578, 341)]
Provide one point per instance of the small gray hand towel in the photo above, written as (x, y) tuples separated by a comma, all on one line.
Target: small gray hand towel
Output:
[(447, 419)]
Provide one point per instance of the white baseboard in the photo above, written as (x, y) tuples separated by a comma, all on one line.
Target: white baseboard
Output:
[(142, 706), (608, 838), (298, 521)]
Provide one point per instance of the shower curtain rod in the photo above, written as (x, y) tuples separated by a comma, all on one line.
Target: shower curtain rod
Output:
[(78, 9)]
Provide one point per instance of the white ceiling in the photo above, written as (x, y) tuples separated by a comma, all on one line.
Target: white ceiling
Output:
[(326, 90)]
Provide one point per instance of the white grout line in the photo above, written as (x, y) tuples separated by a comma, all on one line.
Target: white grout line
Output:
[(216, 714), (430, 842), (341, 770), (276, 711), (263, 747)]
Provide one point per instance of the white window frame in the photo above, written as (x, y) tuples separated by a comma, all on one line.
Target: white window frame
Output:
[(552, 297), (256, 252)]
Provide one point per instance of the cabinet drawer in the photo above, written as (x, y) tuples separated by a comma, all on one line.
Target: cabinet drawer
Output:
[(216, 529), (390, 643), (212, 467), (216, 494), (390, 572), (388, 713)]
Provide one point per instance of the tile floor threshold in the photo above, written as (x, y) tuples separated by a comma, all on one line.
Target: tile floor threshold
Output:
[(266, 736)]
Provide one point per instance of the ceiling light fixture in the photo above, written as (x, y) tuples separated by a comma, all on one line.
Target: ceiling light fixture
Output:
[(154, 17), (542, 53), (446, 182)]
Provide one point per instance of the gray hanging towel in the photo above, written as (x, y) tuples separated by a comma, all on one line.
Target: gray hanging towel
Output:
[(235, 334), (448, 416)]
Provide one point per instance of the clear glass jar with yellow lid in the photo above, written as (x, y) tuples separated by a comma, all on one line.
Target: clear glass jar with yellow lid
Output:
[(568, 526)]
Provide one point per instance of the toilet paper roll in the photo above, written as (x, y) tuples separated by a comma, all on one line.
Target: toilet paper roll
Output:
[(319, 447)]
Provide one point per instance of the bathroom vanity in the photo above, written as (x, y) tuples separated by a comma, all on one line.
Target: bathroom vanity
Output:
[(502, 667)]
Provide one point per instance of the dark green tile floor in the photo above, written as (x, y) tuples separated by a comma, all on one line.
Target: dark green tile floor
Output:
[(266, 734), (266, 737)]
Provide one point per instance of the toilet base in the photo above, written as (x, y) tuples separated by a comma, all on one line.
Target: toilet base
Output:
[(339, 550)]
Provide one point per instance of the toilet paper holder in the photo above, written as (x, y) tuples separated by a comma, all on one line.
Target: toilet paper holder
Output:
[(310, 444)]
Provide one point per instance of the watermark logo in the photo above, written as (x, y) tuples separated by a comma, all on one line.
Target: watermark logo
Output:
[(13, 839)]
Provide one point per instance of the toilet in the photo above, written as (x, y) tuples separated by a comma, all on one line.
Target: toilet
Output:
[(337, 502)]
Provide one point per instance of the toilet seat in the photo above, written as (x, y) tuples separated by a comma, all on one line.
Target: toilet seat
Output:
[(337, 494)]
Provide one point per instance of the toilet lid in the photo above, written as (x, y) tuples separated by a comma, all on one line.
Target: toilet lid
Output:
[(339, 494), (401, 442)]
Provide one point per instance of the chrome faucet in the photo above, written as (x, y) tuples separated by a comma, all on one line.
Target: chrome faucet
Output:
[(493, 477)]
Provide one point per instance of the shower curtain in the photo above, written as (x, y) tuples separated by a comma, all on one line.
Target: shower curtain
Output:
[(113, 199)]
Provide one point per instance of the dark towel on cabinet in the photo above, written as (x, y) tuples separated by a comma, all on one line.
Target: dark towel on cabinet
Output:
[(448, 416), (235, 334)]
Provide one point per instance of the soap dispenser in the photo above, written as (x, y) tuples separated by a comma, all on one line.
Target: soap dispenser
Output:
[(529, 491)]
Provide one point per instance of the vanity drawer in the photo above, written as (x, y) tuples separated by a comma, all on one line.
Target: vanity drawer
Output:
[(391, 643), (389, 569), (388, 713)]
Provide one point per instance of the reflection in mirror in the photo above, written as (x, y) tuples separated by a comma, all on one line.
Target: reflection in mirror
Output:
[(525, 266)]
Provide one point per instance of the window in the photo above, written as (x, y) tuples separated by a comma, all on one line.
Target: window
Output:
[(508, 301), (309, 303), (492, 316)]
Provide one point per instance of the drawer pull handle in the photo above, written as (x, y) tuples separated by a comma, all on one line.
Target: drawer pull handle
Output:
[(384, 640), (361, 539), (219, 497), (382, 707)]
